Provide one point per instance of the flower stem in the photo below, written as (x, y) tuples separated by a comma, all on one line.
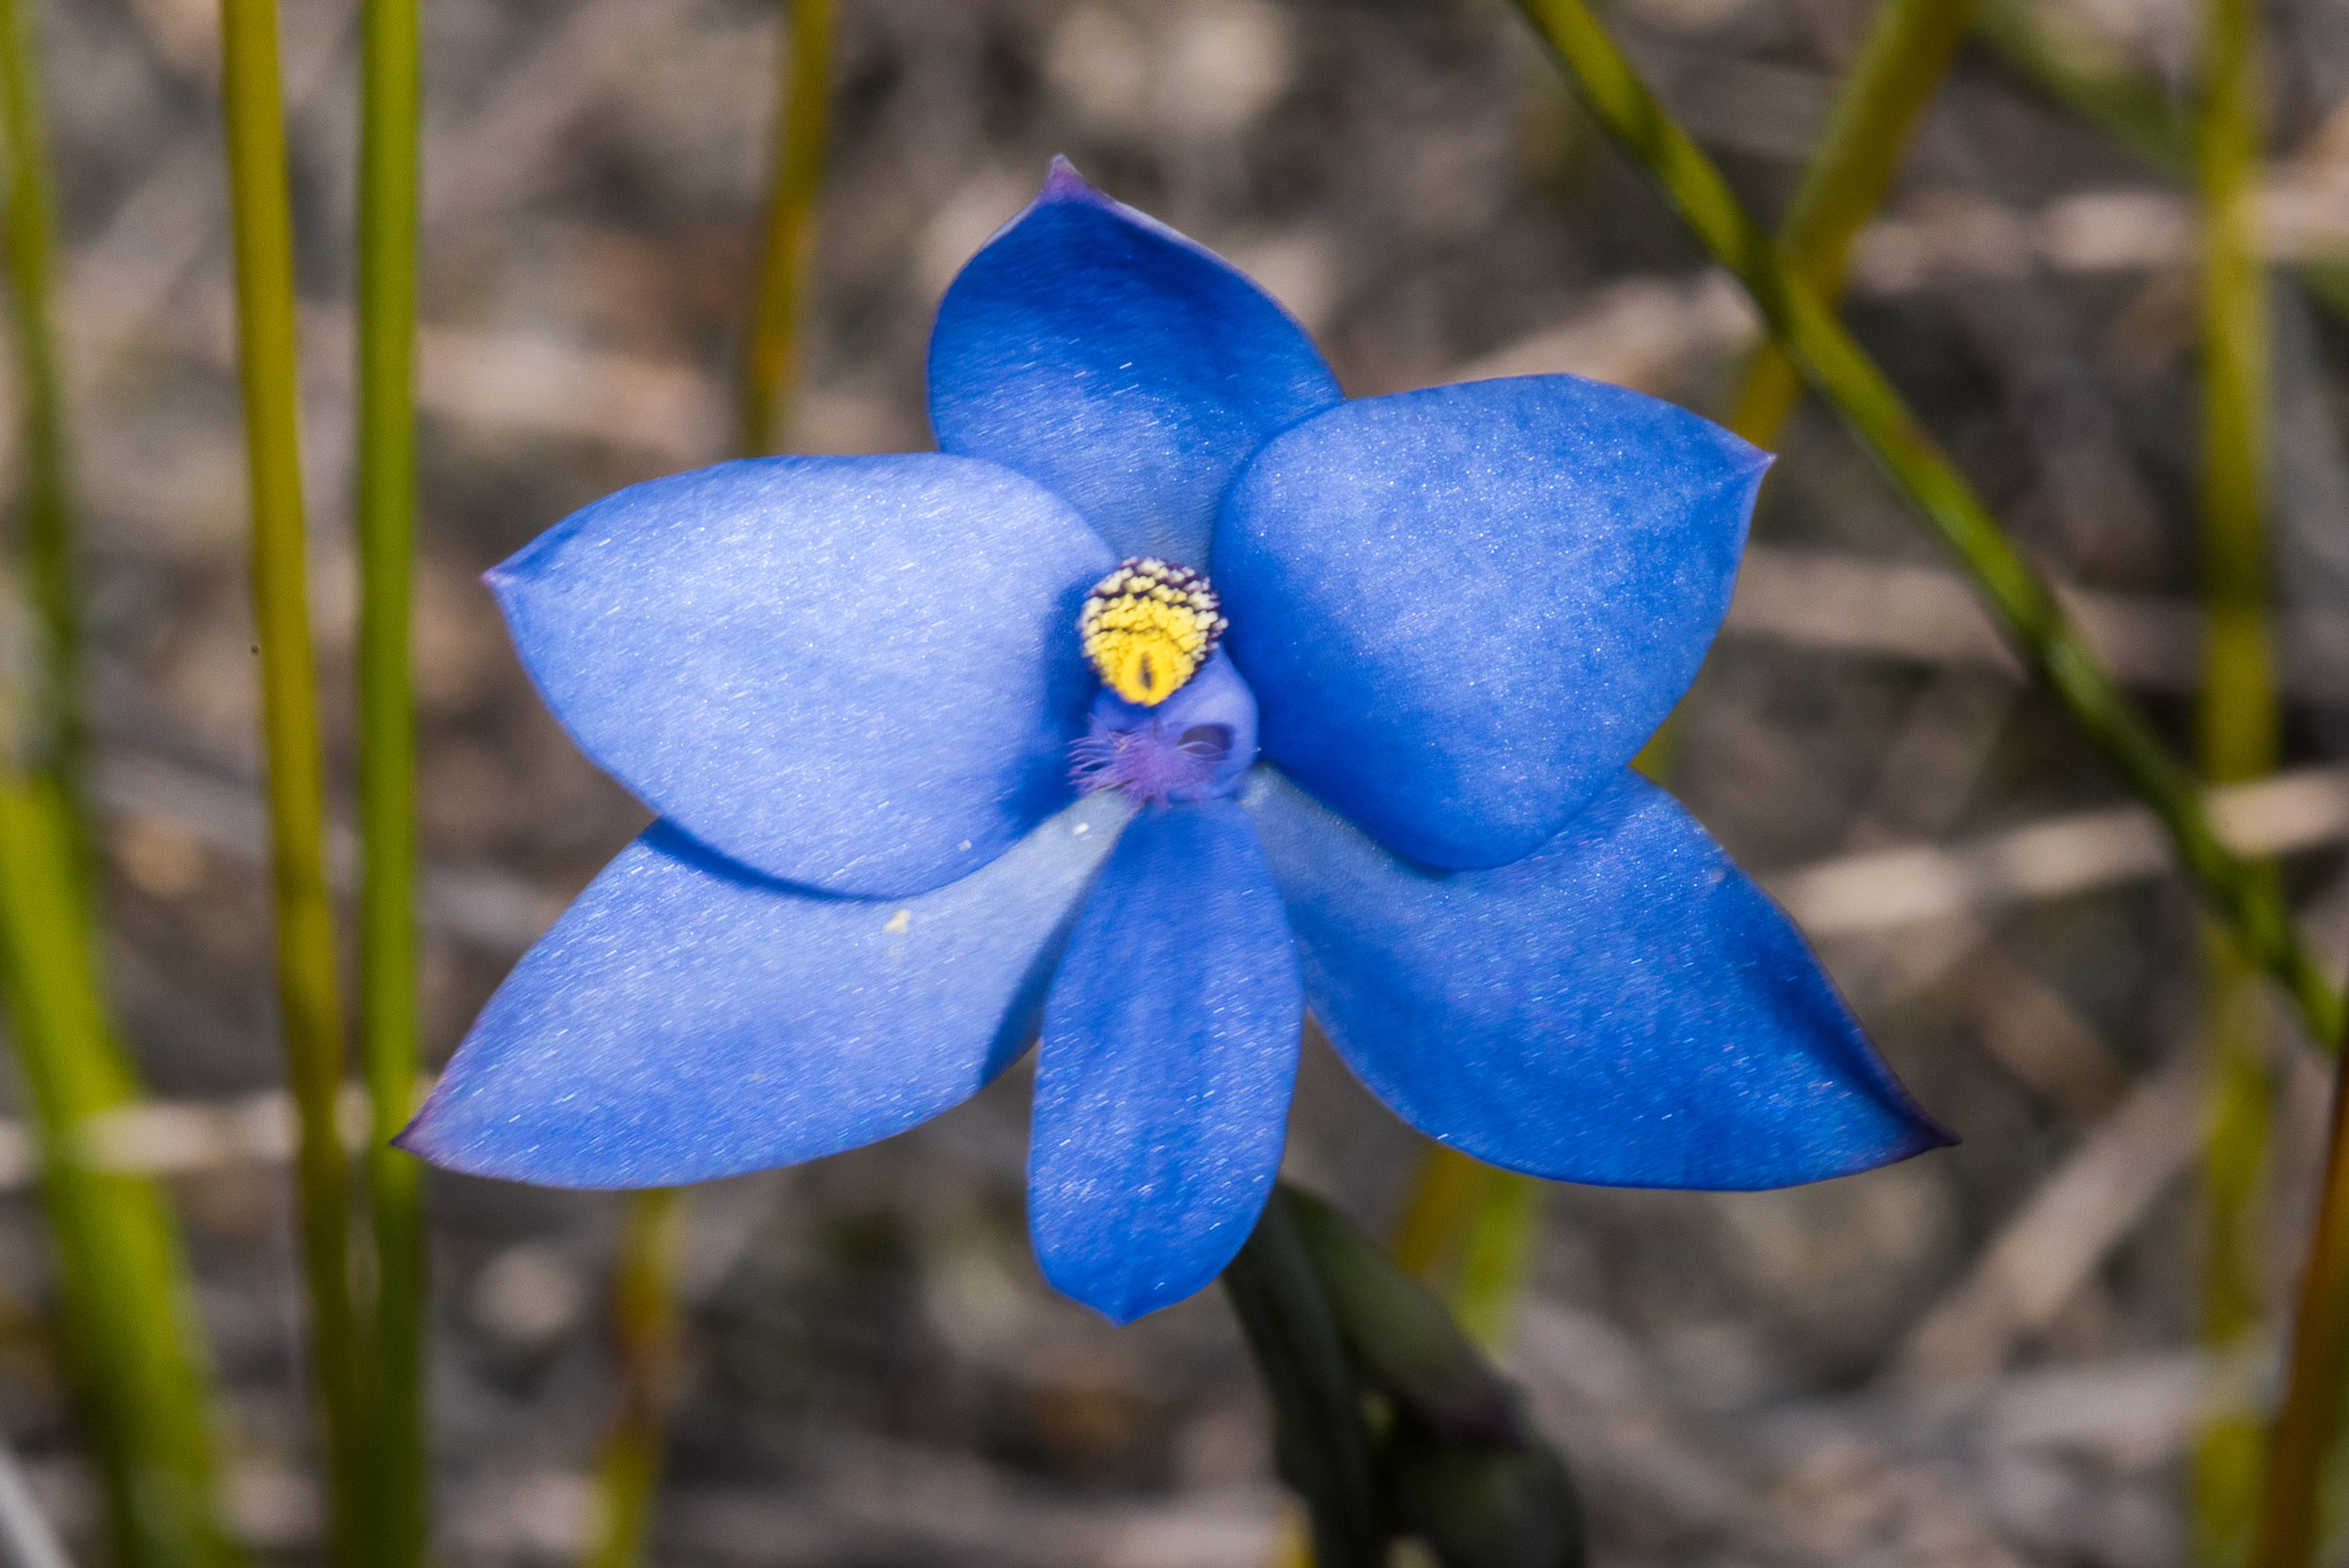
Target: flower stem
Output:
[(128, 1317), (770, 361), (645, 1323), (2310, 1425), (307, 989), (2236, 722), (2020, 599), (391, 95)]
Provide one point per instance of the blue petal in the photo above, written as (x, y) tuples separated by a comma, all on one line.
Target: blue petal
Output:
[(853, 673), (1168, 1055), (686, 1019), (1623, 1008), (1463, 609), (1106, 356)]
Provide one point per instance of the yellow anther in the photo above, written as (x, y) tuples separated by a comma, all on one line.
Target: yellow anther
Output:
[(1147, 627)]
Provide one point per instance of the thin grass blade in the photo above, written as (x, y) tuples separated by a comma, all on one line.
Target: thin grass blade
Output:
[(130, 1321), (131, 1334), (646, 1323), (58, 738), (2307, 1430), (2236, 724), (307, 986), (390, 102)]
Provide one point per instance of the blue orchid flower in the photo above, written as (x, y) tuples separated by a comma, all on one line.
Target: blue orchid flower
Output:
[(1176, 694)]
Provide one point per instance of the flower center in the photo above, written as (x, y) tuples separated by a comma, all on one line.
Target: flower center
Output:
[(1174, 721), (1149, 627)]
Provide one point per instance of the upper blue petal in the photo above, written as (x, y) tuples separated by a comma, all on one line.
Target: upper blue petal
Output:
[(1110, 358), (853, 673), (686, 1019), (1168, 1056), (1463, 609), (1623, 1008)]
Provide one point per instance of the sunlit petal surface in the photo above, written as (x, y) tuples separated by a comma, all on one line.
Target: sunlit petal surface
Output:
[(852, 673), (685, 1019), (1120, 365), (1463, 609), (1168, 1056), (1623, 1008)]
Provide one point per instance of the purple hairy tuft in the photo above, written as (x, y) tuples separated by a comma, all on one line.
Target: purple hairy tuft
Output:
[(1152, 762)]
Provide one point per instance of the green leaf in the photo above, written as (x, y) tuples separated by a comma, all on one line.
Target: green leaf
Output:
[(1320, 1439)]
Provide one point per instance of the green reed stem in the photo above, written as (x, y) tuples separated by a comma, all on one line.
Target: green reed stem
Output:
[(2238, 717), (2310, 1425), (60, 734), (131, 1329), (2020, 597), (645, 1323), (770, 360), (1907, 53), (388, 157), (307, 987), (131, 1334), (2236, 722)]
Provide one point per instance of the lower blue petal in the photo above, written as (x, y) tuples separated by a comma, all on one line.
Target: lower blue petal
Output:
[(686, 1019), (1624, 1007), (1168, 1056)]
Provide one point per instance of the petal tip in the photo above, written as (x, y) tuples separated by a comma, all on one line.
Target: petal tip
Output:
[(1932, 1135), (1062, 182), (1121, 1300), (416, 1136)]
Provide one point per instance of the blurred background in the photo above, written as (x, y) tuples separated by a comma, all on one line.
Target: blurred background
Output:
[(1981, 1358)]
